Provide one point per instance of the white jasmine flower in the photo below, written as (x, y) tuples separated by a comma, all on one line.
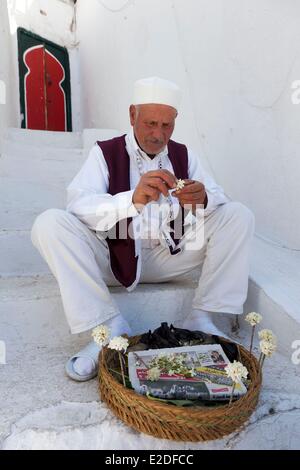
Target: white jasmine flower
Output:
[(119, 343), (153, 373), (253, 318), (101, 335), (267, 335), (180, 184), (236, 371), (267, 348)]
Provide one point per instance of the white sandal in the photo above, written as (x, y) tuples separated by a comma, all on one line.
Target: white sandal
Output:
[(90, 351)]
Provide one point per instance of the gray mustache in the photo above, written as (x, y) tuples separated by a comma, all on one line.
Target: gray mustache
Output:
[(155, 141)]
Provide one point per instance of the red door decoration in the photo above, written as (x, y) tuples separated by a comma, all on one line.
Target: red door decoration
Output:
[(45, 99)]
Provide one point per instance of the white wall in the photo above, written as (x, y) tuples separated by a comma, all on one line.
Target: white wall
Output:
[(235, 61), (53, 20), (6, 104)]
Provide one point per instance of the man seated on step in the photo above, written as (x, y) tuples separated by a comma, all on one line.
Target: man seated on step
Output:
[(121, 227)]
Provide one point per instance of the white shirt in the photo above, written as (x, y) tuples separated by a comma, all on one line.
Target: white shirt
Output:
[(87, 196)]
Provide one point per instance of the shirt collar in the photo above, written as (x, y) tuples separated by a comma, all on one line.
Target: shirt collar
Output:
[(131, 141)]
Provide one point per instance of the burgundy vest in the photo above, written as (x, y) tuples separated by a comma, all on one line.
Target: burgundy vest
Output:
[(122, 251)]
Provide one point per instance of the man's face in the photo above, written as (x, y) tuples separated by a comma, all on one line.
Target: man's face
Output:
[(153, 125)]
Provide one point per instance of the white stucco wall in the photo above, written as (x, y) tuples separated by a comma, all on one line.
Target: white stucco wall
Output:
[(53, 20), (6, 103), (236, 62)]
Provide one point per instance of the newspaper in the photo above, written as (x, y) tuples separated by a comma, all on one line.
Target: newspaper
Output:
[(184, 373)]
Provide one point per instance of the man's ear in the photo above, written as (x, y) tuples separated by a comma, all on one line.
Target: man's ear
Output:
[(132, 114)]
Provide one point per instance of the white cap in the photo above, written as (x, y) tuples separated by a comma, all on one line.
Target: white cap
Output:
[(157, 91)]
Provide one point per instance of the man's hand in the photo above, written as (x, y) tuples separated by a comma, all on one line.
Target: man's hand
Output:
[(151, 185), (192, 194)]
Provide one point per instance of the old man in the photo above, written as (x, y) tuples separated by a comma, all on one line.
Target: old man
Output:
[(143, 209)]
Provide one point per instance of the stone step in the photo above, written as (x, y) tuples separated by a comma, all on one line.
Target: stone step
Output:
[(138, 306), (36, 163), (22, 201), (18, 256), (175, 300), (44, 138), (274, 291), (32, 180)]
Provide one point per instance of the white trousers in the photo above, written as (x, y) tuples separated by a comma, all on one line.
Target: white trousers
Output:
[(79, 261)]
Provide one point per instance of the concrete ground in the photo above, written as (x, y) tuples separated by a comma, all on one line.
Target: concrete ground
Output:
[(41, 408)]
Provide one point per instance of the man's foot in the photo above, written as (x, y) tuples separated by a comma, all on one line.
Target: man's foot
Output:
[(202, 321), (83, 366), (86, 366)]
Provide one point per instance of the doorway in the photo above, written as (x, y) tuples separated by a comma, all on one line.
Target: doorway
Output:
[(45, 89)]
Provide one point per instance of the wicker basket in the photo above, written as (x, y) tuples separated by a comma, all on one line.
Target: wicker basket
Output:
[(174, 422)]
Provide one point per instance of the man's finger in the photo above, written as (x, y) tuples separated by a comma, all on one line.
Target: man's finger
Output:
[(165, 175), (153, 193), (187, 182), (192, 197), (159, 184), (193, 187)]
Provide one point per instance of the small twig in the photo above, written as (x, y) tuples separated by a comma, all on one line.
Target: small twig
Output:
[(123, 359), (122, 369), (239, 353), (252, 336), (232, 393), (118, 373), (262, 361)]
